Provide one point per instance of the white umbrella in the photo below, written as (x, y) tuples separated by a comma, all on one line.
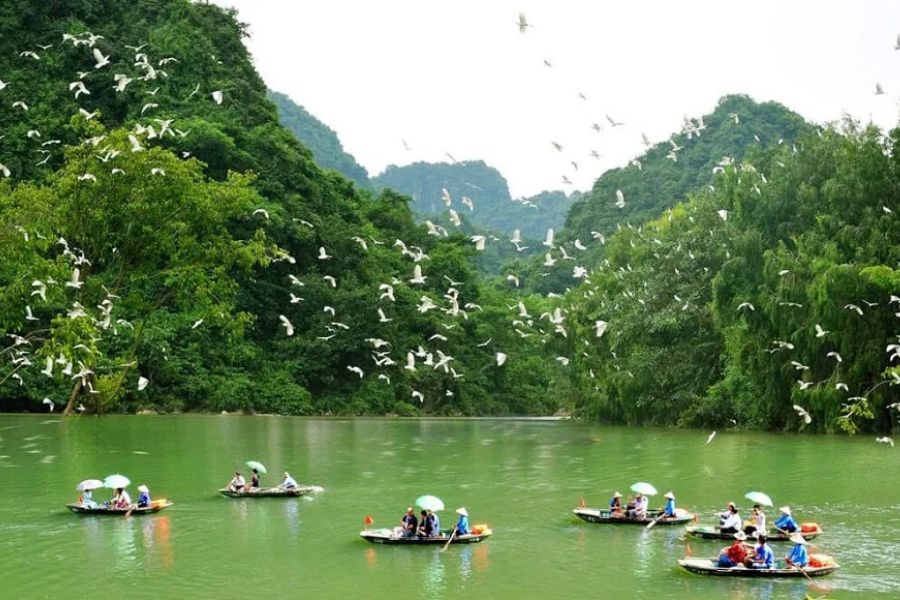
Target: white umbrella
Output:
[(759, 498), (116, 481), (89, 484), (432, 503), (642, 487)]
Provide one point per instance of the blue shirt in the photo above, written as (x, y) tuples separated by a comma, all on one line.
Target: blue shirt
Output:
[(669, 510), (462, 525), (786, 523), (144, 499), (765, 556), (798, 555)]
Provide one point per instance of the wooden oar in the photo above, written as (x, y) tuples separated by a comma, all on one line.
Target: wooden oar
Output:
[(801, 569), (128, 512), (452, 535), (654, 521)]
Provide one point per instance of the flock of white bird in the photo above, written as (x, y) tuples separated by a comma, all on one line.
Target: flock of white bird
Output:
[(148, 73)]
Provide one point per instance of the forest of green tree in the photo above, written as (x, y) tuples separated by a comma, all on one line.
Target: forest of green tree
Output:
[(166, 243)]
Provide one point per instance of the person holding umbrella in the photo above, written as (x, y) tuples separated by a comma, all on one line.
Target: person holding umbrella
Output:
[(87, 488), (256, 468)]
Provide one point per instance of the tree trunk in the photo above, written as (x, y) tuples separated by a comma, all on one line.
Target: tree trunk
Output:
[(72, 397)]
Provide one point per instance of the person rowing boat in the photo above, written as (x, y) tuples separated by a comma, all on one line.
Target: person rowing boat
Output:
[(786, 523), (797, 557)]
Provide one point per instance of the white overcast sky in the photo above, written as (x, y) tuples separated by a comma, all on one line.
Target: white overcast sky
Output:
[(457, 76)]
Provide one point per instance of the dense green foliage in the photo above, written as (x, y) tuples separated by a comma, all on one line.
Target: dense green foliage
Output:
[(666, 176), (495, 209), (202, 232), (778, 287), (322, 141)]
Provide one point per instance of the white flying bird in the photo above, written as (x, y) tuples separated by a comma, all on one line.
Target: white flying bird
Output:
[(620, 199), (143, 382), (807, 419), (501, 358), (101, 61), (288, 327), (217, 96)]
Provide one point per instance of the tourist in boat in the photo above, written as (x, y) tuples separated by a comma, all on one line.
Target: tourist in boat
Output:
[(615, 505), (254, 480), (642, 504), (669, 509), (408, 523), (757, 522), (288, 483), (630, 506), (763, 557), (735, 554), (87, 499), (144, 498), (723, 516), (786, 522), (798, 556), (120, 499), (237, 482), (426, 524), (435, 522), (462, 524), (733, 522)]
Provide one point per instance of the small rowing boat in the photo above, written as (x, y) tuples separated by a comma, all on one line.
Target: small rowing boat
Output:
[(155, 506), (271, 492), (602, 515), (708, 532), (389, 536), (708, 566)]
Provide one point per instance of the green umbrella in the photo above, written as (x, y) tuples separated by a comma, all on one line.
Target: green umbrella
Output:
[(253, 464), (432, 503), (759, 498), (642, 487)]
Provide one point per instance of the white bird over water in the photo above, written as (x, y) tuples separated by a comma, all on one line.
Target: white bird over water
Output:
[(49, 402), (881, 440), (807, 419), (711, 437)]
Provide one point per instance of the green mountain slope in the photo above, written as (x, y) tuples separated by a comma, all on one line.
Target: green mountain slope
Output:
[(319, 138), (169, 244), (488, 190), (665, 177)]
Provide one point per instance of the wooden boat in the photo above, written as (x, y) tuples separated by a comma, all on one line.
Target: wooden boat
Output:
[(709, 532), (270, 492), (604, 515), (388, 536), (707, 566), (155, 506)]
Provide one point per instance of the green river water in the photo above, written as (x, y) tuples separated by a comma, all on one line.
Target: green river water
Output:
[(521, 477)]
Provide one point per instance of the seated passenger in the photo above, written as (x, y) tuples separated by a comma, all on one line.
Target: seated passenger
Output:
[(408, 523), (758, 522), (669, 509), (435, 522), (723, 516), (288, 483), (462, 524), (615, 505), (640, 507), (144, 498), (763, 557), (254, 480), (798, 556), (237, 482), (786, 522), (735, 554), (732, 523), (120, 499), (426, 524)]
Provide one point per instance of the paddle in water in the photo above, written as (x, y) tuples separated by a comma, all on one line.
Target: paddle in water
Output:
[(452, 535)]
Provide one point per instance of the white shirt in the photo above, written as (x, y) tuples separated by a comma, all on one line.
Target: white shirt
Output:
[(288, 482), (733, 520), (641, 506), (760, 519)]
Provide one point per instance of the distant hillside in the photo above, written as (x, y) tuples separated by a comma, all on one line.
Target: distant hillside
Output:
[(736, 125), (494, 209), (327, 149)]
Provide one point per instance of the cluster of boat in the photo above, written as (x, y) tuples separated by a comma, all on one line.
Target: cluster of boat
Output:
[(818, 564), (635, 513)]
